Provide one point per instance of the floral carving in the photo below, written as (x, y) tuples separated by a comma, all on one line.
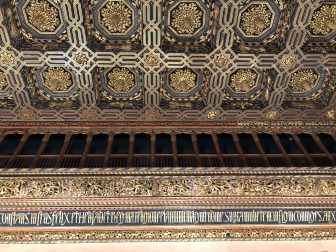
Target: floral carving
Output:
[(303, 81), (121, 80), (168, 235), (81, 59), (43, 16), (324, 20), (116, 16), (57, 79), (3, 81), (288, 60), (222, 61), (192, 186), (152, 60), (243, 80), (256, 19), (182, 80), (186, 18), (6, 59)]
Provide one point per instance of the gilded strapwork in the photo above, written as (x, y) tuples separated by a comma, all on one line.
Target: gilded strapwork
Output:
[(243, 80), (324, 20), (121, 80), (256, 20), (57, 79), (83, 187), (3, 81), (186, 18), (116, 16), (42, 15), (167, 235), (303, 81), (182, 80)]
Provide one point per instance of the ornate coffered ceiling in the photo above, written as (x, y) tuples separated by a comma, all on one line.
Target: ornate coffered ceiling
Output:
[(181, 60)]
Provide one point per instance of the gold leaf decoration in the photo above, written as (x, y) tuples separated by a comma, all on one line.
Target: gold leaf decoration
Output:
[(182, 80), (186, 18), (116, 16), (57, 79), (3, 81), (324, 20), (243, 80), (303, 81), (42, 15), (256, 20), (121, 80)]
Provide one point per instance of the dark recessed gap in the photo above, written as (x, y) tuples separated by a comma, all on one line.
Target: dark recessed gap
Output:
[(54, 145), (289, 144), (9, 144), (142, 144), (120, 144), (309, 143), (227, 144), (247, 143), (184, 144), (268, 144), (205, 144), (329, 142), (32, 145), (163, 144), (76, 144), (98, 144)]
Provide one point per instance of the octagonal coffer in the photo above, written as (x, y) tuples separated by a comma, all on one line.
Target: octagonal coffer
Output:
[(43, 19)]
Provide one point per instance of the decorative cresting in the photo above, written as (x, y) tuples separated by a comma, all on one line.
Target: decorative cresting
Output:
[(121, 80), (116, 16), (82, 187), (42, 15), (186, 18), (3, 81), (243, 80), (256, 19), (57, 79), (182, 80), (324, 20), (303, 81), (116, 19), (42, 19)]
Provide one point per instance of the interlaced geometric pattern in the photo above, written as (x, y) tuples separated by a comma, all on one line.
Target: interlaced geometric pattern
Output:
[(172, 60)]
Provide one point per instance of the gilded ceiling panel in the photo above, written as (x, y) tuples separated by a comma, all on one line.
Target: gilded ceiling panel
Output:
[(172, 60)]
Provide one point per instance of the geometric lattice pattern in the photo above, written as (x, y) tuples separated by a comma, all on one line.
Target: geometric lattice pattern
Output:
[(191, 60)]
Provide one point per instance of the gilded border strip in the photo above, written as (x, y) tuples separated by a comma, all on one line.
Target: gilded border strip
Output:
[(168, 235), (192, 186)]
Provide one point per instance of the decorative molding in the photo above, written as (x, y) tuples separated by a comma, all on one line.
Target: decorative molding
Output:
[(168, 235), (89, 187)]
